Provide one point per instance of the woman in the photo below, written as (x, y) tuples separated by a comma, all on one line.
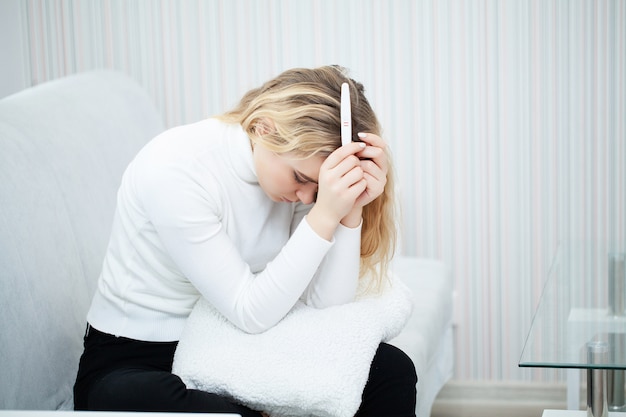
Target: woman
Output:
[(252, 210)]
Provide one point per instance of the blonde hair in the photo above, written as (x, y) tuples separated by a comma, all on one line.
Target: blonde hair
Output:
[(304, 108)]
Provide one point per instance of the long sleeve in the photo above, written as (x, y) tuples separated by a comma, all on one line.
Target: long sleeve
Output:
[(189, 225), (336, 281)]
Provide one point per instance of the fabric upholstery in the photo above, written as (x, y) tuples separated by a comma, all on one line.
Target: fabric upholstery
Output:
[(63, 148), (427, 337)]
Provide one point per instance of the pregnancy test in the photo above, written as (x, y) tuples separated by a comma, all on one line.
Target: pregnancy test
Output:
[(346, 115)]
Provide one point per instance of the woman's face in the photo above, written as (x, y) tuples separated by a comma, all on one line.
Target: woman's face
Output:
[(287, 179)]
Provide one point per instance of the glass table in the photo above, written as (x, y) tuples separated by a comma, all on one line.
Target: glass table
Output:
[(580, 322)]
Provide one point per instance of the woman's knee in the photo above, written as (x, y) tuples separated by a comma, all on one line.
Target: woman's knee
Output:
[(391, 387), (395, 362), (136, 390)]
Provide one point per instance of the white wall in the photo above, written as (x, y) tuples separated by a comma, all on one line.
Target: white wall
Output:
[(506, 119)]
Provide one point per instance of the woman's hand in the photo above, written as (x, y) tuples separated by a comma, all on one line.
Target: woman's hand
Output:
[(374, 166), (342, 181)]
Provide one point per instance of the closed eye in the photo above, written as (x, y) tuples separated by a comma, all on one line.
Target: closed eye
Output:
[(298, 178), (303, 179)]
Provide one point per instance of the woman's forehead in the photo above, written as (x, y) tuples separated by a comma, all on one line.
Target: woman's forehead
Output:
[(308, 167)]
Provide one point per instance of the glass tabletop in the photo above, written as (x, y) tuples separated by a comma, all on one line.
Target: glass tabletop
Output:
[(580, 321)]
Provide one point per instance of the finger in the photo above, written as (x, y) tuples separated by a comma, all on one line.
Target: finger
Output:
[(347, 180), (342, 177), (372, 169), (348, 163), (372, 139), (372, 165), (357, 189), (372, 152), (375, 185), (343, 152), (353, 191), (333, 173), (365, 198), (336, 173), (374, 155), (352, 177), (375, 146)]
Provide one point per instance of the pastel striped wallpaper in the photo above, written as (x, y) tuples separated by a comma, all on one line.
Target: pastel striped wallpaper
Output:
[(506, 119)]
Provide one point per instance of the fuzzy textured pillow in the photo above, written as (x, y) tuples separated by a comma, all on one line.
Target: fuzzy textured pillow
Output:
[(315, 362)]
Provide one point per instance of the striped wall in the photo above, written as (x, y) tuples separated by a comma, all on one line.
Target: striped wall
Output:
[(506, 119)]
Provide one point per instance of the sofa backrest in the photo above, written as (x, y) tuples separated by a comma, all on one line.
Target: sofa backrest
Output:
[(63, 148)]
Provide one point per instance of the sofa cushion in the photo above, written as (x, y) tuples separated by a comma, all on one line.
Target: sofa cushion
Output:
[(63, 148)]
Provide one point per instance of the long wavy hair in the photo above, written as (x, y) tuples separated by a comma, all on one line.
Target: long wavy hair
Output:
[(304, 106)]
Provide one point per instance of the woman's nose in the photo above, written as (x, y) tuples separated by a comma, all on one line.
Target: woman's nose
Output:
[(307, 193)]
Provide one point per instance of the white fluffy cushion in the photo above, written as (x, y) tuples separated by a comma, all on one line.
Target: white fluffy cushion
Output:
[(312, 363)]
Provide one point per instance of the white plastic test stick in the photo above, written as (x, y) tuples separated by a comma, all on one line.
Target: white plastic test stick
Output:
[(346, 115)]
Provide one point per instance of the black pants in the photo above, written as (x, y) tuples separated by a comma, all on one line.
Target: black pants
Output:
[(121, 374)]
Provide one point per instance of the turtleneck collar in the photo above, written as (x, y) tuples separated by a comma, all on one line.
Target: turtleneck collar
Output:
[(240, 153)]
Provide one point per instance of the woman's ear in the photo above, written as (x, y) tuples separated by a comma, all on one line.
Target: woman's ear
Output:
[(264, 127)]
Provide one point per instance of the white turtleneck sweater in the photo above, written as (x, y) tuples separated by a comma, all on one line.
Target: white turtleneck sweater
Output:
[(192, 221)]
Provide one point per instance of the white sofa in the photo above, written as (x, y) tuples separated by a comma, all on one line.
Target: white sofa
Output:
[(63, 147)]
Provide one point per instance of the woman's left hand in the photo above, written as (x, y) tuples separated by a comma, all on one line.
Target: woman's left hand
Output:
[(374, 165)]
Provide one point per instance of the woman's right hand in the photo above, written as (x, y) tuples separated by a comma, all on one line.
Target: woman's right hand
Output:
[(341, 182)]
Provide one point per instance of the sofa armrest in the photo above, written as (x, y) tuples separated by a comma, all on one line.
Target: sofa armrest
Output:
[(63, 148), (427, 337)]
